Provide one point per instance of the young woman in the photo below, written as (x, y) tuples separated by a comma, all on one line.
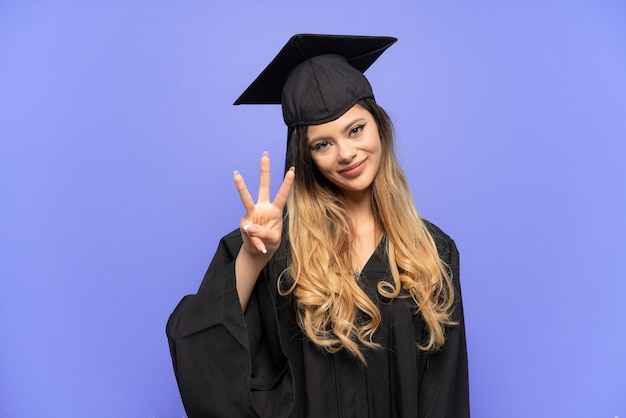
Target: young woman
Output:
[(335, 299)]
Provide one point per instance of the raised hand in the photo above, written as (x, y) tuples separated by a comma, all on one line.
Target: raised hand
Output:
[(261, 226)]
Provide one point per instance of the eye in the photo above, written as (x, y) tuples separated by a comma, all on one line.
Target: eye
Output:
[(321, 146), (356, 130)]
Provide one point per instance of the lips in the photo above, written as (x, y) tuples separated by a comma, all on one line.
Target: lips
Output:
[(354, 170)]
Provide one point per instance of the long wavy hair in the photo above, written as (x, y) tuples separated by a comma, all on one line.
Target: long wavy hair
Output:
[(333, 310)]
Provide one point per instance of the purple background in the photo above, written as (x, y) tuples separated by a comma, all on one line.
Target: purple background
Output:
[(117, 146)]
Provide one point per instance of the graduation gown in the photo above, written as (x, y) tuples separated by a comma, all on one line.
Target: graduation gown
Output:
[(260, 364)]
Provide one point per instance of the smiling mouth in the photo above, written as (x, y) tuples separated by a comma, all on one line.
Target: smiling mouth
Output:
[(353, 167)]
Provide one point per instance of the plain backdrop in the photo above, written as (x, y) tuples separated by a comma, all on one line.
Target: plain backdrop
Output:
[(118, 142)]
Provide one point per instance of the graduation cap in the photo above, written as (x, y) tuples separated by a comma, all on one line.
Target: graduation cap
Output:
[(317, 78)]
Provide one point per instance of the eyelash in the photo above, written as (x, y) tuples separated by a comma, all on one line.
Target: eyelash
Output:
[(321, 146), (357, 130)]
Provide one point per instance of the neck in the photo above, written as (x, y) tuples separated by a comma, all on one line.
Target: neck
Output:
[(359, 206), (366, 231)]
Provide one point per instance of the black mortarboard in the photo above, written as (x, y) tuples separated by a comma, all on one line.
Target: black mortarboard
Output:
[(317, 78)]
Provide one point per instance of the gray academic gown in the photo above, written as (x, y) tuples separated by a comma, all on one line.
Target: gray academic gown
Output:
[(260, 364)]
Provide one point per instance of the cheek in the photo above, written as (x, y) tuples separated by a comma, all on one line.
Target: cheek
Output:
[(379, 156), (321, 163)]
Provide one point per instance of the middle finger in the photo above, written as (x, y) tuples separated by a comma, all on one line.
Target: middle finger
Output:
[(264, 180)]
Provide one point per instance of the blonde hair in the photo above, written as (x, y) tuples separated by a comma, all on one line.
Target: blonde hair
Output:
[(333, 310)]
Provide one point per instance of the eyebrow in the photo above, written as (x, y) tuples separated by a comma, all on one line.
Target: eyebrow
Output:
[(348, 126)]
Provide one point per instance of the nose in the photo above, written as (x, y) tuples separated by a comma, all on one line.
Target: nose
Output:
[(346, 152)]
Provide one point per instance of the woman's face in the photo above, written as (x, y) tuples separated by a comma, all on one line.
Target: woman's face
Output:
[(347, 151)]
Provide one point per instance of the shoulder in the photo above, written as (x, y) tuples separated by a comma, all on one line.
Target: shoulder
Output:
[(445, 244), (437, 233)]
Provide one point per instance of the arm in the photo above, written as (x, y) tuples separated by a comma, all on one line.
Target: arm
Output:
[(247, 269), (227, 363), (209, 342)]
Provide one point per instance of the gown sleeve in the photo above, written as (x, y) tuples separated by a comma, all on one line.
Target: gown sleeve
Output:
[(444, 390), (228, 364)]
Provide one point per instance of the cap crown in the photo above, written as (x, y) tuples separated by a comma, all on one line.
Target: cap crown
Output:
[(317, 78), (321, 89)]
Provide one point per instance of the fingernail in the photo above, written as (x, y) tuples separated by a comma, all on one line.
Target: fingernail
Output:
[(251, 229), (262, 248)]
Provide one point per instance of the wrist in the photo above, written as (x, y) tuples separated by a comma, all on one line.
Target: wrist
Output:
[(255, 256)]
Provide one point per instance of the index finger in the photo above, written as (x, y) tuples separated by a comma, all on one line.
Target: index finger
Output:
[(244, 194)]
